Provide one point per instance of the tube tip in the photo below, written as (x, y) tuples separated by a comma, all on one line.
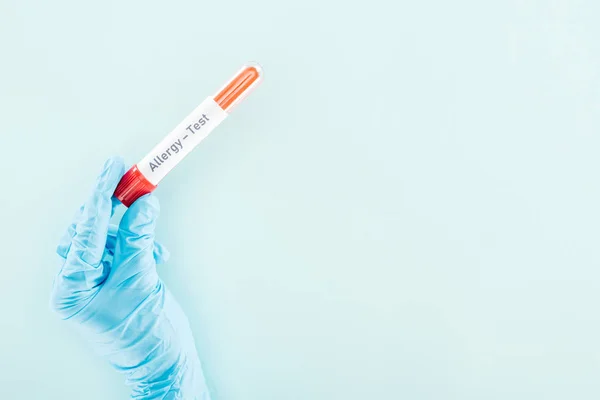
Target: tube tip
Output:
[(240, 86)]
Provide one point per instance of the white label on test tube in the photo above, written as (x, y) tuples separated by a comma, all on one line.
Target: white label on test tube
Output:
[(143, 177), (177, 144)]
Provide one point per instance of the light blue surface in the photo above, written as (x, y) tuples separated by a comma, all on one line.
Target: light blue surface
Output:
[(407, 208)]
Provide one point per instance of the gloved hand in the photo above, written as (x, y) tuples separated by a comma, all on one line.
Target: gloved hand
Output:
[(108, 287)]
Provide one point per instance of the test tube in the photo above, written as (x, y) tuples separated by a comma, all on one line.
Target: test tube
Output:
[(144, 176)]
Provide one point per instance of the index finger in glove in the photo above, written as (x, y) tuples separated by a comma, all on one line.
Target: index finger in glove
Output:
[(64, 245), (91, 228)]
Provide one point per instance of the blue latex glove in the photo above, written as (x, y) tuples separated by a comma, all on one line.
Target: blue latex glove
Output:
[(108, 287)]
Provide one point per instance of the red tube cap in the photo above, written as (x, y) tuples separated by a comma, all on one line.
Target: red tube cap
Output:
[(132, 186)]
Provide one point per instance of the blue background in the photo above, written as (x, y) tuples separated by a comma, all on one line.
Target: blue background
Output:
[(407, 208)]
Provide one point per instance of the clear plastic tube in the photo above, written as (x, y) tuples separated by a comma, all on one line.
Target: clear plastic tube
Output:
[(143, 177), (239, 87)]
